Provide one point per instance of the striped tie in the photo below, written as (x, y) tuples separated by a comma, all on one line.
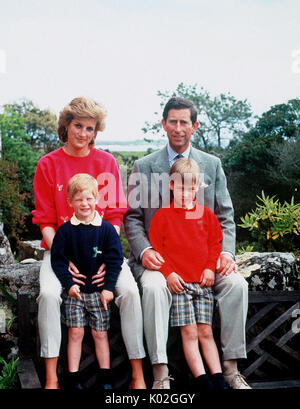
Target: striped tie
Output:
[(178, 157)]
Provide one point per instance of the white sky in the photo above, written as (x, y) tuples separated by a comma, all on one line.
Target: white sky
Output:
[(121, 52)]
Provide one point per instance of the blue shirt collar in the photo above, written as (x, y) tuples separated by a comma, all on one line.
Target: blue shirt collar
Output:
[(172, 154)]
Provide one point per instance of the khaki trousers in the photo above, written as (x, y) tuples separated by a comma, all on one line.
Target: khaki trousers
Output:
[(127, 298), (231, 294)]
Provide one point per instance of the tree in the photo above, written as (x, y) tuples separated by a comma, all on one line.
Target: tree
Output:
[(220, 118), (265, 158), (26, 134), (40, 125)]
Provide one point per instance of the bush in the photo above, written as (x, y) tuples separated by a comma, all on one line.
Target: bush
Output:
[(273, 225)]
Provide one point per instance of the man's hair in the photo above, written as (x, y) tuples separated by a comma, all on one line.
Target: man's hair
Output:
[(180, 103), (186, 169), (81, 107), (81, 182)]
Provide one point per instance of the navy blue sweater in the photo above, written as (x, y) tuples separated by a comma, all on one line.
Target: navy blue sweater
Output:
[(87, 246)]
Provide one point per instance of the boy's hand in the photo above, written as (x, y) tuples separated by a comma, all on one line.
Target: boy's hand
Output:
[(207, 278), (74, 291), (106, 297), (175, 283)]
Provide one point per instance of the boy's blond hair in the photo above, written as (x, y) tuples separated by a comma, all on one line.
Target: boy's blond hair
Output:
[(81, 107), (186, 169), (81, 182)]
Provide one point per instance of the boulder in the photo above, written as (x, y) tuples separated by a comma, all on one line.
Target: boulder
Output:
[(6, 255), (21, 279), (270, 271)]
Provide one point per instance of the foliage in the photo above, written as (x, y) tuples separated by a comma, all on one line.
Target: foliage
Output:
[(265, 158), (26, 133), (242, 248), (273, 224), (39, 125), (12, 207), (219, 117), (8, 377)]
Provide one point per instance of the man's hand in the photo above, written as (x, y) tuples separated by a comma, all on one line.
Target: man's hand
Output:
[(152, 260), (99, 277), (106, 297), (207, 278), (226, 265), (74, 291), (175, 283), (76, 274)]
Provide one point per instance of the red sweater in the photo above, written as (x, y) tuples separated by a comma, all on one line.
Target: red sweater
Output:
[(188, 244), (50, 187)]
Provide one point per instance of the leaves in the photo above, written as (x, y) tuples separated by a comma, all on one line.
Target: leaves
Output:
[(272, 220), (9, 373), (219, 117)]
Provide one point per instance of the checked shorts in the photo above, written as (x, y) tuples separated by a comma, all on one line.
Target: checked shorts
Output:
[(194, 305), (89, 312)]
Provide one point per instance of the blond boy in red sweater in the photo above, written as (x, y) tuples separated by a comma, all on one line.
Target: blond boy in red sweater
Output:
[(188, 236)]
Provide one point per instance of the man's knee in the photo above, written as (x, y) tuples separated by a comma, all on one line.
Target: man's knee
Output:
[(153, 283), (234, 284)]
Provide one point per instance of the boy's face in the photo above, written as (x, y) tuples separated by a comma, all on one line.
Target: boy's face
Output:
[(184, 193), (83, 204)]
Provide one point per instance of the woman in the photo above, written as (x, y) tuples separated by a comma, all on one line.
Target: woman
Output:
[(78, 125)]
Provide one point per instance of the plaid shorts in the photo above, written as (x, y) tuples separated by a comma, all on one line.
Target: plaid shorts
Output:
[(88, 312), (194, 305)]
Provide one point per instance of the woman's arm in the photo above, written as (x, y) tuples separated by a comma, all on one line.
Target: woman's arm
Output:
[(48, 235)]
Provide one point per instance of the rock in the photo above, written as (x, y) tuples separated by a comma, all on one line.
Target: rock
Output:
[(31, 249), (6, 255), (21, 278), (269, 271)]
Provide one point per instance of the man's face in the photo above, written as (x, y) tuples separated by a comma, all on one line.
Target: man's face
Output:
[(179, 128)]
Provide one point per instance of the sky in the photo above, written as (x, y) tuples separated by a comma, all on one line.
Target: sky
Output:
[(121, 52)]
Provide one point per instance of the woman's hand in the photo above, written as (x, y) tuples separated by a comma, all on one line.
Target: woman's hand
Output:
[(76, 274), (99, 277)]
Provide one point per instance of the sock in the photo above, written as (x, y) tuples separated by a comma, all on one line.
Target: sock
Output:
[(105, 376), (160, 371), (74, 380), (218, 381), (203, 383)]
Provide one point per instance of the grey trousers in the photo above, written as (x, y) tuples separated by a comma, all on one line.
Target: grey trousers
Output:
[(231, 294), (127, 298)]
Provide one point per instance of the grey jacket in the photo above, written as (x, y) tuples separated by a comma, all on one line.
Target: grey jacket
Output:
[(147, 193)]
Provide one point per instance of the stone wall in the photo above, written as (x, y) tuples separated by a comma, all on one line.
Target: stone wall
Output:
[(270, 271)]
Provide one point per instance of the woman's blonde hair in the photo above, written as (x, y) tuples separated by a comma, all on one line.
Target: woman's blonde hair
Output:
[(187, 169), (81, 182), (81, 107)]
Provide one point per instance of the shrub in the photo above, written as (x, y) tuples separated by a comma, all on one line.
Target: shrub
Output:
[(273, 225)]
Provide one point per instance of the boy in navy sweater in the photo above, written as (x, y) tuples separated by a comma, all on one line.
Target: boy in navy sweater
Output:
[(87, 241)]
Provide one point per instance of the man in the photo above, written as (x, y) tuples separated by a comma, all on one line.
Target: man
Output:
[(230, 289)]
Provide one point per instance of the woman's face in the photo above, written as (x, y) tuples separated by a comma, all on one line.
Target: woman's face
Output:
[(80, 131)]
